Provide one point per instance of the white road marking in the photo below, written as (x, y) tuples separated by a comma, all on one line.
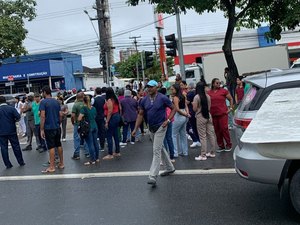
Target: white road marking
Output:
[(111, 174)]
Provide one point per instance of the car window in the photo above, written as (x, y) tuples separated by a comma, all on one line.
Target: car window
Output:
[(189, 74), (71, 100), (248, 99)]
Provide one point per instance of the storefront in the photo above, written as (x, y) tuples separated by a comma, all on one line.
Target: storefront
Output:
[(33, 72)]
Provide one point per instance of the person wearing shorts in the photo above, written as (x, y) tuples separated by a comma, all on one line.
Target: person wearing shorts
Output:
[(50, 128)]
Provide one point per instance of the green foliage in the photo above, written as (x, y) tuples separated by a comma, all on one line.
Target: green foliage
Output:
[(127, 69), (280, 14), (12, 30)]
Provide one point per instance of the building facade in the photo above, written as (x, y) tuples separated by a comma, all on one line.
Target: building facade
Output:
[(59, 70)]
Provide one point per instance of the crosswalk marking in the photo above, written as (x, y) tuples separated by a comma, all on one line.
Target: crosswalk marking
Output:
[(112, 174)]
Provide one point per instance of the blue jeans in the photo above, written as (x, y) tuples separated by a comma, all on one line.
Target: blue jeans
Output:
[(14, 141), (125, 131), (112, 132), (77, 140), (179, 130), (92, 142), (168, 141)]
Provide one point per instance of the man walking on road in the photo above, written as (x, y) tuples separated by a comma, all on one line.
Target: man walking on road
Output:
[(50, 128), (8, 132), (154, 106)]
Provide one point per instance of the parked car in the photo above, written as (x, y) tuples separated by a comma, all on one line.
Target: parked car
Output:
[(249, 163), (71, 100), (10, 98)]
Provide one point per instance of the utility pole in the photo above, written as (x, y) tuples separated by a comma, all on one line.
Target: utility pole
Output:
[(137, 52), (105, 39), (179, 42), (155, 47)]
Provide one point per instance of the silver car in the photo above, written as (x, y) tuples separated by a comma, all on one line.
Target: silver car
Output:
[(249, 163)]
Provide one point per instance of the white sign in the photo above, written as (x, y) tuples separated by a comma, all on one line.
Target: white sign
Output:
[(30, 85), (9, 84)]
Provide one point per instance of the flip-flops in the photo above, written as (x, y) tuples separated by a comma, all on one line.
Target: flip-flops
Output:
[(48, 170), (60, 166)]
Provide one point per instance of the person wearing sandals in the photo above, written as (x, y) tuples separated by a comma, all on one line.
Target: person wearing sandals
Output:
[(201, 106), (89, 113), (50, 128), (111, 111)]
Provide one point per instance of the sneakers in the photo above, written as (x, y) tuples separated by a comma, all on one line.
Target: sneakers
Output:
[(132, 143), (75, 157), (200, 158), (27, 148), (152, 182), (210, 155), (195, 144), (123, 144), (227, 149), (167, 173), (220, 150), (64, 140)]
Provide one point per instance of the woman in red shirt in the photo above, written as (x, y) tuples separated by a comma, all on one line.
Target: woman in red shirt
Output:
[(239, 91), (219, 112), (111, 112)]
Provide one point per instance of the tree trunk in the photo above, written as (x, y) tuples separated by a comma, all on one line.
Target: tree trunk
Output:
[(227, 49)]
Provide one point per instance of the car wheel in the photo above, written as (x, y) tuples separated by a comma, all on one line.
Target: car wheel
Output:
[(295, 191)]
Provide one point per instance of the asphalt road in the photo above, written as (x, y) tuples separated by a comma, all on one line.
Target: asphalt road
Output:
[(93, 195), (177, 200)]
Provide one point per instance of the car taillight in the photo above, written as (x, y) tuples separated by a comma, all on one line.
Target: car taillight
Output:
[(242, 122), (244, 173)]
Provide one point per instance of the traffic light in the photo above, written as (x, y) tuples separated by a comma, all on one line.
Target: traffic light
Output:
[(103, 61), (171, 44), (149, 59)]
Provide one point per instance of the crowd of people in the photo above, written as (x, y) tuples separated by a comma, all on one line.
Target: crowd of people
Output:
[(173, 114)]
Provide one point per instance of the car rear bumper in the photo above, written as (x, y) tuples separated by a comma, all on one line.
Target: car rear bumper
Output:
[(250, 165)]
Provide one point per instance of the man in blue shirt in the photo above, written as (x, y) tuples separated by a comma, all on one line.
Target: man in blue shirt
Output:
[(8, 132), (154, 106), (51, 116)]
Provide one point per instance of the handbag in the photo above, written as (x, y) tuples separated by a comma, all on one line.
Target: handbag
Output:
[(84, 126)]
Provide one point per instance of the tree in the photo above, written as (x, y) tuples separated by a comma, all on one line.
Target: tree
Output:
[(12, 28), (280, 14), (127, 69)]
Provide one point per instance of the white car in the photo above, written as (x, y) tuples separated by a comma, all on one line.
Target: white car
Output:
[(71, 100)]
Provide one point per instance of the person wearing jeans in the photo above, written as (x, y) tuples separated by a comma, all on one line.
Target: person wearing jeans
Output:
[(89, 114), (111, 111), (154, 106), (74, 119), (129, 107), (180, 121)]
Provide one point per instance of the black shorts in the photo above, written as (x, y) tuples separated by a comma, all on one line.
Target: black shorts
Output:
[(53, 138)]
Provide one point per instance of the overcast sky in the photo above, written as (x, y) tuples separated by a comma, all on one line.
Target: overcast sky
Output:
[(63, 26)]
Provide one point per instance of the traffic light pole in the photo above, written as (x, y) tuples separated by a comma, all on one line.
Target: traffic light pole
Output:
[(179, 41)]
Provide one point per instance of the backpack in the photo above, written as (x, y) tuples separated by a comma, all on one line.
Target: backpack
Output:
[(84, 125)]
